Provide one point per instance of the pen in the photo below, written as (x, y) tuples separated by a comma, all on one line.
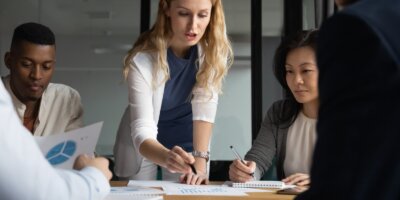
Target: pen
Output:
[(193, 168), (239, 157)]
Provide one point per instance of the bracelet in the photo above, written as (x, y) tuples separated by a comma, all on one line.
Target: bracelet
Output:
[(201, 154)]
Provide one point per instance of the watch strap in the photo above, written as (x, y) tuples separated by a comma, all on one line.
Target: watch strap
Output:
[(201, 154)]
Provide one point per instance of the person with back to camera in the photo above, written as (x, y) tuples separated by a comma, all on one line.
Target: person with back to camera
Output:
[(356, 155), (174, 72), (288, 131), (26, 174)]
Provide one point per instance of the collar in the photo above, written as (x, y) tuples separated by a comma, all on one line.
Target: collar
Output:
[(19, 106)]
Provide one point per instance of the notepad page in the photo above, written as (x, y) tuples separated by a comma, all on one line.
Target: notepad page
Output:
[(260, 184), (133, 193)]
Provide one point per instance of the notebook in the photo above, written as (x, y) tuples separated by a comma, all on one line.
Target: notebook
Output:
[(260, 184)]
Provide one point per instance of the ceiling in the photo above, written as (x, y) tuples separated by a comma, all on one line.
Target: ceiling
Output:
[(92, 28), (121, 17)]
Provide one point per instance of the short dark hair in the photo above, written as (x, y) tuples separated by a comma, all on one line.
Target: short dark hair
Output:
[(348, 2), (300, 39), (34, 33)]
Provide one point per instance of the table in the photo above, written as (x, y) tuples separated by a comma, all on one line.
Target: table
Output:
[(252, 196)]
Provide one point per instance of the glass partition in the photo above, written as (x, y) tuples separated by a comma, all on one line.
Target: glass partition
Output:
[(272, 25)]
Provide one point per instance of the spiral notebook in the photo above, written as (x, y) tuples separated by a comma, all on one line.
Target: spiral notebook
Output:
[(260, 184)]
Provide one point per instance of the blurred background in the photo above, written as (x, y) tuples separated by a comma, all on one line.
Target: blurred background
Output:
[(93, 36)]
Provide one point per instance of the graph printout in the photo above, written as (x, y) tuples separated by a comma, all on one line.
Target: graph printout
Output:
[(62, 149)]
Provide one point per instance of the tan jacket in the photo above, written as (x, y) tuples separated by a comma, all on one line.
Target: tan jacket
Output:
[(60, 109)]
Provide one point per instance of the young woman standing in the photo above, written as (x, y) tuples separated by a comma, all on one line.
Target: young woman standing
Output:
[(175, 72)]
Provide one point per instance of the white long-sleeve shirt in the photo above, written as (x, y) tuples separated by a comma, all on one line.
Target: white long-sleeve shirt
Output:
[(26, 174)]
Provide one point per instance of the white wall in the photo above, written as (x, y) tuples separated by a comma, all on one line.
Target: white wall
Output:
[(98, 78), (233, 122), (104, 98)]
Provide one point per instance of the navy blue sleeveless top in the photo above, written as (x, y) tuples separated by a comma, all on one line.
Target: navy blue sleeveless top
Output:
[(175, 125)]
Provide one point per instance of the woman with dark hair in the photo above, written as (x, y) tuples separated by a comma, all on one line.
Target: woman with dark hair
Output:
[(288, 131)]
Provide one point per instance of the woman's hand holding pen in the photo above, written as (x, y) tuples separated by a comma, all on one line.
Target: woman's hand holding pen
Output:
[(179, 161), (298, 179), (241, 171)]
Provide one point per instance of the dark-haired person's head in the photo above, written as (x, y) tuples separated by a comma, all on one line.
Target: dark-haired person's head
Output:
[(31, 61), (344, 3), (296, 70)]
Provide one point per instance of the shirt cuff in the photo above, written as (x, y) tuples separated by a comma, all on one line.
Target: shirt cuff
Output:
[(101, 184)]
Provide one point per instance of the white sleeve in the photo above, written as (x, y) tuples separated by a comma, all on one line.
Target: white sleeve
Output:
[(141, 107), (26, 174), (204, 104)]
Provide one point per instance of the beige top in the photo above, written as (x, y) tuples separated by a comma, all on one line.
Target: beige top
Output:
[(300, 145), (60, 109)]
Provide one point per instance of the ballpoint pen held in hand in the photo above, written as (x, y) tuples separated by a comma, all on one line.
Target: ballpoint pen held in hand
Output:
[(193, 168), (239, 158)]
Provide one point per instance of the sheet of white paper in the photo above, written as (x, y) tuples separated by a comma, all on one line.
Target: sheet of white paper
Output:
[(134, 193), (289, 186), (123, 197), (153, 183), (208, 190), (62, 149)]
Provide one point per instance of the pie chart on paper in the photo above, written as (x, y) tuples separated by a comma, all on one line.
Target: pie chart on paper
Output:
[(61, 152)]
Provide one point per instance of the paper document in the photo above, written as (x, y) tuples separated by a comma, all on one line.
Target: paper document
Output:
[(153, 183), (208, 190), (62, 149), (134, 193)]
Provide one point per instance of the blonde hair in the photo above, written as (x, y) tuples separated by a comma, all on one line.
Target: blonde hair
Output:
[(217, 50)]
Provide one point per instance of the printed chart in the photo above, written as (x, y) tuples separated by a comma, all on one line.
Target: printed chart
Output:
[(62, 149), (61, 152)]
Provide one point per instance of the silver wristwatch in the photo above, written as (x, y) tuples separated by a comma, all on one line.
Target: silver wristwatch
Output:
[(201, 154)]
